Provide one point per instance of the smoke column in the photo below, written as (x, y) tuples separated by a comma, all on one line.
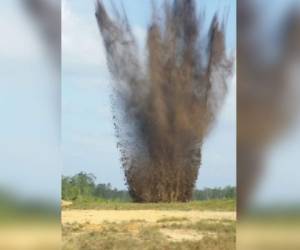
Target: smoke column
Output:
[(164, 107)]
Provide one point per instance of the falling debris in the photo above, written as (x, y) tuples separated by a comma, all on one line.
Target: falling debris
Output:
[(164, 107)]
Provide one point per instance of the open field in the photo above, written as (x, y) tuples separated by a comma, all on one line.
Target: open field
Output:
[(130, 226), (151, 216), (209, 205)]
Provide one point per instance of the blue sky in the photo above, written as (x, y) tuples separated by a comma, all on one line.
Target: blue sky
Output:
[(87, 132), (89, 143), (31, 157), (88, 135)]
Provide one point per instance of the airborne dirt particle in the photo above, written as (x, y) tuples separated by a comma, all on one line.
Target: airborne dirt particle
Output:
[(164, 107)]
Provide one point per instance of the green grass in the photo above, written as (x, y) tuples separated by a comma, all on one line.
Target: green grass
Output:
[(172, 219), (216, 226), (212, 205)]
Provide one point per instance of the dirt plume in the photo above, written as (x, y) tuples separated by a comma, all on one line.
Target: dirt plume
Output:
[(164, 107)]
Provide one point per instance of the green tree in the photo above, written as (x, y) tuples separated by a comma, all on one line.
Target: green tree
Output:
[(79, 186)]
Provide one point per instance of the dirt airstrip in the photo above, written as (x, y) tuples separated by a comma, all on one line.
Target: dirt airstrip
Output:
[(152, 216)]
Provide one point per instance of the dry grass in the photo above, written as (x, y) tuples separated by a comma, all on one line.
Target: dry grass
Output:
[(136, 235), (209, 205), (208, 225), (148, 229)]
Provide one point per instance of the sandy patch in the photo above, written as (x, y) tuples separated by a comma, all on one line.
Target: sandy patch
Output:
[(66, 203), (100, 216), (184, 234)]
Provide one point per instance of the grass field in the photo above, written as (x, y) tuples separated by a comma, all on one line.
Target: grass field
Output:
[(208, 225), (211, 205)]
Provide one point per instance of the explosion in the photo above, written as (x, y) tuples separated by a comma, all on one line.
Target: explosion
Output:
[(165, 105)]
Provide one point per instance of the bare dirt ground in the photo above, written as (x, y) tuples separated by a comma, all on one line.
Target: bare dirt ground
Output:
[(149, 228), (177, 235), (174, 226), (100, 216)]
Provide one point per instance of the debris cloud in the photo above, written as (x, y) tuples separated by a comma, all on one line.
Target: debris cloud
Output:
[(164, 107)]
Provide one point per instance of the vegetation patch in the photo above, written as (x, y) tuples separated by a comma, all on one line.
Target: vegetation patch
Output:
[(209, 205), (172, 219), (136, 235), (82, 189)]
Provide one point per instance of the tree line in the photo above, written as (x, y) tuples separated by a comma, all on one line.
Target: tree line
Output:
[(83, 186)]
